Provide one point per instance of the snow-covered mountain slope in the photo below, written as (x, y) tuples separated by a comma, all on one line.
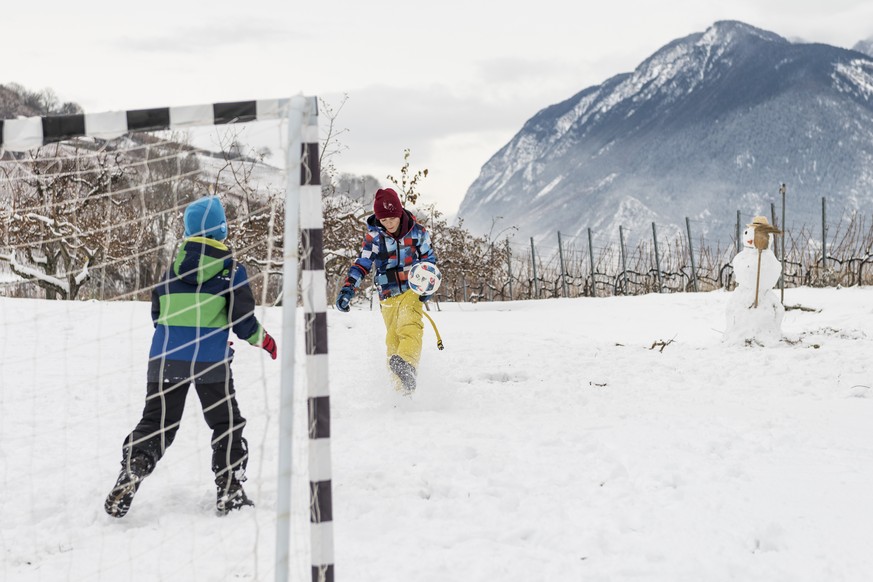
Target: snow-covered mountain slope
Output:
[(864, 46), (710, 124)]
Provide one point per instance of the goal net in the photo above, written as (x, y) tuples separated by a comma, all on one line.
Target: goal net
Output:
[(91, 217)]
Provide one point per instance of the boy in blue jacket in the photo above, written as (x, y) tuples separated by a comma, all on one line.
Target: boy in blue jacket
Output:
[(199, 299), (395, 242)]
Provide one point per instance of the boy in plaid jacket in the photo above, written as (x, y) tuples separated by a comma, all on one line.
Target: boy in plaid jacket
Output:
[(394, 243)]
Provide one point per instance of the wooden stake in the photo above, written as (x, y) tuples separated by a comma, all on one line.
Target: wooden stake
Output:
[(761, 242), (757, 279)]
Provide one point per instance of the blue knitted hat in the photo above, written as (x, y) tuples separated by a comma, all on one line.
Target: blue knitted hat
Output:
[(205, 217)]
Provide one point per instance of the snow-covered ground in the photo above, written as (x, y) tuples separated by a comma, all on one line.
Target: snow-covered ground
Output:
[(550, 440)]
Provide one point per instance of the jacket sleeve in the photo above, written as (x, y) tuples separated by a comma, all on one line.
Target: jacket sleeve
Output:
[(364, 263), (426, 254), (241, 309), (156, 304)]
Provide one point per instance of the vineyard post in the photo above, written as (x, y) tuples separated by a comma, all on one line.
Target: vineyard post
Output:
[(773, 220), (509, 267), (691, 251), (782, 254), (533, 262), (623, 261), (824, 230), (490, 284), (739, 248), (563, 270), (591, 259), (657, 258)]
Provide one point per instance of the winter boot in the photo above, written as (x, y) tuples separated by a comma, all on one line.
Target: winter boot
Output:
[(119, 499), (230, 493), (405, 371)]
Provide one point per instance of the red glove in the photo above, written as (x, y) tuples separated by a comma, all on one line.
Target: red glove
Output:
[(269, 344)]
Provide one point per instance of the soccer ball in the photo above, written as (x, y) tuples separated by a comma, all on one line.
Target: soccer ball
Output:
[(424, 278)]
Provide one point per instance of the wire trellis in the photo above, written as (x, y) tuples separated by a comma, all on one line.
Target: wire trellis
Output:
[(598, 265)]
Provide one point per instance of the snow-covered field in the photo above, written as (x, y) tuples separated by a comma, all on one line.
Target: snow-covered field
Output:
[(548, 441)]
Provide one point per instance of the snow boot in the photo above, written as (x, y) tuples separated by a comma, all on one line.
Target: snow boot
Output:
[(119, 499), (405, 371), (230, 494)]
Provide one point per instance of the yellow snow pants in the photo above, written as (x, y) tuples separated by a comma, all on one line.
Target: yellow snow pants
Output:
[(403, 326)]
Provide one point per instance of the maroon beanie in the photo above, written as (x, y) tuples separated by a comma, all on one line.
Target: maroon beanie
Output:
[(387, 204)]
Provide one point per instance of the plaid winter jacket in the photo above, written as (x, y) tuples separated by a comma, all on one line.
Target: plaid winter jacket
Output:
[(392, 258), (194, 307)]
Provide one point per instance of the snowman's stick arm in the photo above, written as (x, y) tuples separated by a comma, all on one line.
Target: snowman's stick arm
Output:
[(757, 279)]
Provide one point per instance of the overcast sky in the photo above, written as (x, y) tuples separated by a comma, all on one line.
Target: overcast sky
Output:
[(453, 81)]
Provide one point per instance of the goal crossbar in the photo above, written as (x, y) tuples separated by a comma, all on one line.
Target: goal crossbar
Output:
[(32, 132)]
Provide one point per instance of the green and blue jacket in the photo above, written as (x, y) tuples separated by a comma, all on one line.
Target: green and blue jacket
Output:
[(204, 295)]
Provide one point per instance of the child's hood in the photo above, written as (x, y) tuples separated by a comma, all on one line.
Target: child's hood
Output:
[(200, 259)]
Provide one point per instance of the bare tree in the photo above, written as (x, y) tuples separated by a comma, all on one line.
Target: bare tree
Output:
[(86, 211), (49, 223), (408, 184)]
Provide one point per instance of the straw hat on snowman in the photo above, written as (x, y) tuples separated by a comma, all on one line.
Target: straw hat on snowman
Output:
[(761, 231)]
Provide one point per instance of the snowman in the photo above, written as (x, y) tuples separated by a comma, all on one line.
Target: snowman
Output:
[(754, 312)]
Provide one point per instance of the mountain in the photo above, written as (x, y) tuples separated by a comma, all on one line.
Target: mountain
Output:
[(864, 46), (710, 124)]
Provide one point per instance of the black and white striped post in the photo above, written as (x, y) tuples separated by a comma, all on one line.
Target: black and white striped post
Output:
[(305, 185), (314, 290)]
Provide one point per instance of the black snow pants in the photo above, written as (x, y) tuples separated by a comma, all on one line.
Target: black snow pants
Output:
[(162, 415)]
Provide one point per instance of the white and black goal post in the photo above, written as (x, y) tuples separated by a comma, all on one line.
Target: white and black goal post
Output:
[(303, 141)]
